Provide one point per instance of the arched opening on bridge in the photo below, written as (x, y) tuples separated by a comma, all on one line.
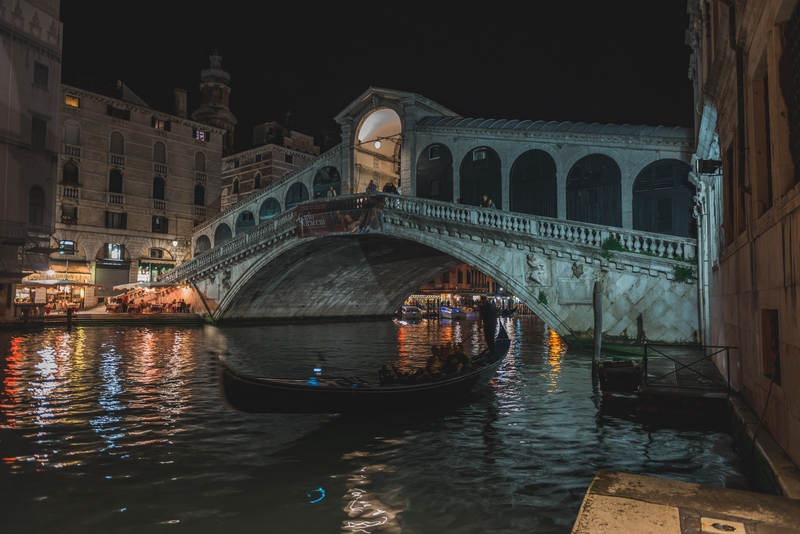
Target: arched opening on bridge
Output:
[(481, 174), (663, 199), (594, 191), (377, 152), (269, 209), (534, 185), (244, 222), (326, 178), (222, 234), (435, 173), (202, 244), (296, 194)]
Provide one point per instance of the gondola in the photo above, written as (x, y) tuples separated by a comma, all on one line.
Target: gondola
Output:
[(346, 395)]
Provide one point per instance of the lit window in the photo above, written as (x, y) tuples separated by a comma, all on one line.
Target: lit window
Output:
[(114, 251), (200, 135), (72, 101), (159, 124), (66, 247)]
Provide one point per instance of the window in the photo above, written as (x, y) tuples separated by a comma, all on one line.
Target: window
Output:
[(117, 143), (36, 205), (199, 195), (41, 74), (38, 132), (200, 162), (478, 154), (160, 153), (257, 182), (770, 346), (158, 189), (258, 158), (236, 164), (236, 186), (72, 134), (288, 158), (156, 253), (160, 225), (115, 219), (114, 251), (115, 182), (70, 175), (72, 101), (200, 135), (69, 215), (435, 152), (158, 124), (118, 113), (67, 247)]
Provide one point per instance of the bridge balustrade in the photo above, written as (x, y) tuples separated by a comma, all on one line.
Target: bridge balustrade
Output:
[(579, 233)]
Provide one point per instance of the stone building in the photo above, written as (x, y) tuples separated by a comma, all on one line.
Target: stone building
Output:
[(30, 60), (746, 71), (132, 184), (277, 151)]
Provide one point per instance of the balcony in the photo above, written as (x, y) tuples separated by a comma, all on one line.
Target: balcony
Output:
[(71, 150), (68, 191), (200, 211), (117, 159), (116, 198), (160, 168), (160, 205), (200, 176)]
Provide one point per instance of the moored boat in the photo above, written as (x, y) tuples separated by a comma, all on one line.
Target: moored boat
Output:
[(320, 394)]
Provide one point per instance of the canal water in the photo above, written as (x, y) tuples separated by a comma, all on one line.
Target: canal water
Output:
[(120, 429)]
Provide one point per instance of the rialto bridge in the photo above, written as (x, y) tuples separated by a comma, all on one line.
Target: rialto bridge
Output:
[(562, 190)]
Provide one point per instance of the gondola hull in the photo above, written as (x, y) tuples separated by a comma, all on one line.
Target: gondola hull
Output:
[(319, 395)]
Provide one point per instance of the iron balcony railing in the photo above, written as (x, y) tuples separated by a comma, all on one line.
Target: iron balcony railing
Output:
[(705, 379)]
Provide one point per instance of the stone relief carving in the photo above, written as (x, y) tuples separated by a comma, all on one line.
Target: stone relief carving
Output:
[(577, 269), (226, 280), (536, 271)]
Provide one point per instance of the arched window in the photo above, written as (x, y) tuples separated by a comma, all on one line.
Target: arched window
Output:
[(235, 186), (72, 133), (244, 222), (117, 143), (158, 188), (296, 194), (222, 234), (269, 209), (200, 162), (435, 173), (480, 174), (202, 244), (199, 195), (594, 191), (115, 182), (36, 205), (70, 175), (326, 178), (663, 199), (534, 184), (160, 152), (257, 181)]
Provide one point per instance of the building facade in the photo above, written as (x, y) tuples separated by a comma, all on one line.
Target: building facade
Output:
[(132, 184), (30, 60), (746, 71), (277, 151)]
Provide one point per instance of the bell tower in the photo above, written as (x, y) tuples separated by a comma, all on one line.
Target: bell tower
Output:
[(214, 101)]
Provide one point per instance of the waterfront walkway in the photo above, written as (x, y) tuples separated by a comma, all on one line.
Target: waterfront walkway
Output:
[(98, 316), (622, 502)]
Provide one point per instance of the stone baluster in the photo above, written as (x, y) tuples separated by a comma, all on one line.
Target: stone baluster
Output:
[(660, 250)]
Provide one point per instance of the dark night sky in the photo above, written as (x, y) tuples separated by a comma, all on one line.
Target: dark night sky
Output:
[(621, 61)]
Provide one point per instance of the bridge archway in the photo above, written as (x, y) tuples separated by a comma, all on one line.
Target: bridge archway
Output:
[(377, 151), (481, 173), (594, 191), (325, 178), (269, 209), (222, 234), (202, 244), (435, 173), (296, 194), (534, 184), (663, 199), (244, 222)]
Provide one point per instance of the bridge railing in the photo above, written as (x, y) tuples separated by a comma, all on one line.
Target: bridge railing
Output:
[(665, 246), (275, 225)]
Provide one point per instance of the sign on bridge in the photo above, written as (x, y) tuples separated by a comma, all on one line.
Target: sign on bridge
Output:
[(361, 215)]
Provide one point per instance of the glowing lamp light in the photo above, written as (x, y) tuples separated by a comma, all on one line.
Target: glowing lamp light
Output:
[(174, 242), (378, 143), (50, 272)]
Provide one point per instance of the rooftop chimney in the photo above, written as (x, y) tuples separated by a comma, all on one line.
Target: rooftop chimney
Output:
[(180, 103)]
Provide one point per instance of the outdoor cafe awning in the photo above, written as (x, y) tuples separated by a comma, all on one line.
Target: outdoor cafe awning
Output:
[(144, 285), (55, 283)]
